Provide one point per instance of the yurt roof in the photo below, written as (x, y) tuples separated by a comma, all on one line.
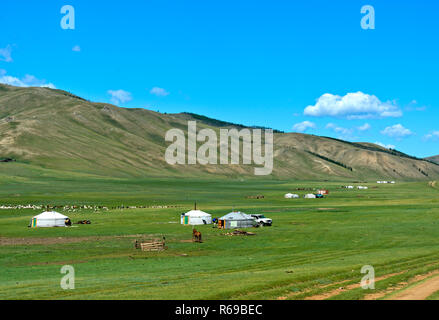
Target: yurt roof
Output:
[(197, 213), (51, 215), (236, 216)]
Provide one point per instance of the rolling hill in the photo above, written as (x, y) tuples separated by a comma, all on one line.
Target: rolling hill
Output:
[(55, 130), (434, 159)]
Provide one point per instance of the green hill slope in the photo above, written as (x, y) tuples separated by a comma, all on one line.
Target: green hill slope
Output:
[(56, 130)]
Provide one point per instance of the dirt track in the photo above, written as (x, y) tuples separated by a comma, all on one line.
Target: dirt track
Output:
[(335, 292), (420, 291), (400, 286), (56, 240)]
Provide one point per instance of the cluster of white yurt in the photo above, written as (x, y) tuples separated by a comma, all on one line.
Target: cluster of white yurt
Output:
[(291, 196), (362, 188), (196, 217), (50, 219)]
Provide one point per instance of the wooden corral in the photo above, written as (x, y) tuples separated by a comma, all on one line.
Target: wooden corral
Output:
[(151, 245)]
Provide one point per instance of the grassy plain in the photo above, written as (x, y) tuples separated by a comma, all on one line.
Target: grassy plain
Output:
[(315, 246)]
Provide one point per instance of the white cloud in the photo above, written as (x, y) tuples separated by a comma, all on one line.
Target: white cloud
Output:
[(364, 127), (387, 146), (27, 81), (432, 136), (352, 106), (413, 106), (347, 133), (397, 131), (119, 96), (160, 92), (76, 49), (6, 54), (304, 126), (344, 133), (11, 81)]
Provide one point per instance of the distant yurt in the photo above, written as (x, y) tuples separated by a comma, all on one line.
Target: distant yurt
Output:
[(236, 220), (310, 196), (196, 217), (291, 196), (50, 219)]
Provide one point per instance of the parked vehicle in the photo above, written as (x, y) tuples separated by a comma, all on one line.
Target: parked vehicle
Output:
[(261, 220)]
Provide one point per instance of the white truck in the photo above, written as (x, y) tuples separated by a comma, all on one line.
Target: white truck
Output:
[(261, 220)]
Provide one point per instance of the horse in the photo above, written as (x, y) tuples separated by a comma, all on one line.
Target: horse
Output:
[(196, 235)]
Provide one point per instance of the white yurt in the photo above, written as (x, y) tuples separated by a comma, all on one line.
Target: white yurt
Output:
[(291, 196), (196, 217), (310, 196), (50, 219), (236, 219)]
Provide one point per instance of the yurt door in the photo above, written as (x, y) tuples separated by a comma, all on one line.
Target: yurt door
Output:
[(186, 220)]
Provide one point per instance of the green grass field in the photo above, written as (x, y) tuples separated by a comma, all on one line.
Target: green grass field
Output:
[(313, 245)]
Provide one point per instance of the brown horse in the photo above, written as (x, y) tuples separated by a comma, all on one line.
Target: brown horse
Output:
[(196, 235)]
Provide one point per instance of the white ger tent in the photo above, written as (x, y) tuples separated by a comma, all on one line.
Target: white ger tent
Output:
[(310, 196), (196, 217), (291, 196), (237, 220), (49, 219)]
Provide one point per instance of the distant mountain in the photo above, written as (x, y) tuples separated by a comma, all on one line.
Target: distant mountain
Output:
[(434, 159), (54, 129)]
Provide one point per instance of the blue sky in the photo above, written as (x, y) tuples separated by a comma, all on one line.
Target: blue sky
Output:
[(306, 65)]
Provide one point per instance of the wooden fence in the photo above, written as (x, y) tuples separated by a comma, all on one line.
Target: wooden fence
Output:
[(151, 245)]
